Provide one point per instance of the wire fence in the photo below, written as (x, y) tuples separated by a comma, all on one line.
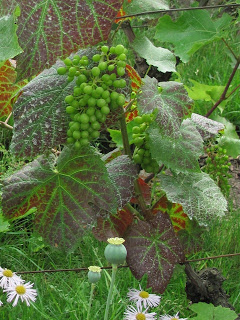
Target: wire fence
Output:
[(231, 6), (126, 266)]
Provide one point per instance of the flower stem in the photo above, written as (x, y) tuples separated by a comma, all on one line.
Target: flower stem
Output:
[(90, 300), (110, 292)]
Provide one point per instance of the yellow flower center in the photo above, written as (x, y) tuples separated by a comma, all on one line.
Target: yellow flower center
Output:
[(144, 294), (94, 269), (20, 289), (140, 316), (7, 273), (174, 318), (116, 240)]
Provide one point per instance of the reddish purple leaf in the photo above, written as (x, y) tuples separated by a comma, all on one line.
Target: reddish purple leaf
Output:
[(153, 249)]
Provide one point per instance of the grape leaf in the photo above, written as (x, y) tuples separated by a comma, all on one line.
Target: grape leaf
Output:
[(8, 87), (9, 46), (200, 197), (178, 217), (191, 31), (172, 103), (68, 195), (207, 311), (139, 6), (180, 152), (153, 249), (48, 30), (122, 171), (206, 127), (40, 119), (161, 58)]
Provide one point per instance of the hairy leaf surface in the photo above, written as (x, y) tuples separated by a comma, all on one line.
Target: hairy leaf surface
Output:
[(191, 31), (53, 29), (180, 152), (153, 249), (172, 103), (206, 127), (69, 196), (199, 195), (123, 172), (138, 6), (161, 58), (9, 46)]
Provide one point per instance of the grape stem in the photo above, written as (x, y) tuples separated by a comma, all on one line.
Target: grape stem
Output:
[(123, 126)]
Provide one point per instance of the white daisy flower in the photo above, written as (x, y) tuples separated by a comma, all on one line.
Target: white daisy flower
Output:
[(1, 303), (138, 314), (8, 278), (23, 291), (143, 297), (176, 317)]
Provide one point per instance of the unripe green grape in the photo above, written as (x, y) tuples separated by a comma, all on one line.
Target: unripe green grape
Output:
[(137, 159), (102, 65), (77, 117), (84, 142), (101, 103), (105, 94), (88, 89), (75, 104), (105, 110), (69, 99), (116, 83), (122, 83), (103, 118), (113, 76), (143, 127), (112, 50), (84, 126), (96, 57), (111, 67), (77, 145), (84, 134), (141, 152), (95, 71), (99, 91), (61, 71), (84, 118), (105, 86), (119, 49), (138, 120), (68, 62), (70, 140), (77, 91), (104, 49), (92, 102), (75, 126), (138, 141), (114, 105), (90, 111), (120, 71), (136, 130), (147, 118), (69, 133), (114, 95), (70, 79), (95, 134), (146, 160), (147, 154), (82, 103), (70, 110), (96, 125), (121, 100), (72, 71), (75, 62), (98, 114), (121, 64), (81, 78), (76, 135), (92, 118), (105, 77), (122, 57), (86, 97), (84, 62)]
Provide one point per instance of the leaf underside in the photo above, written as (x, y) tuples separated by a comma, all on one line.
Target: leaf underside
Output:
[(153, 249)]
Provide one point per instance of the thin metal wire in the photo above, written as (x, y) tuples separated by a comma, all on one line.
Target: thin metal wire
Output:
[(234, 5), (125, 266)]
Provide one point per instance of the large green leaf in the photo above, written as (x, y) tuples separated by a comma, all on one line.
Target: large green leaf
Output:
[(172, 103), (51, 29), (153, 249), (159, 57), (9, 46), (191, 31), (181, 152), (69, 192), (200, 197), (139, 6), (207, 311)]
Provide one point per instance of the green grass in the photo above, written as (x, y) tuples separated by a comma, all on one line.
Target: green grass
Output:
[(64, 295)]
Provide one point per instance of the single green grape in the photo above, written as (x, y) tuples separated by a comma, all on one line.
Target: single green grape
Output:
[(119, 49), (61, 71)]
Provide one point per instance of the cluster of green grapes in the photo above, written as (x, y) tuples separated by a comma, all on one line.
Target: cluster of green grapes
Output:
[(96, 93), (217, 166), (142, 154)]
